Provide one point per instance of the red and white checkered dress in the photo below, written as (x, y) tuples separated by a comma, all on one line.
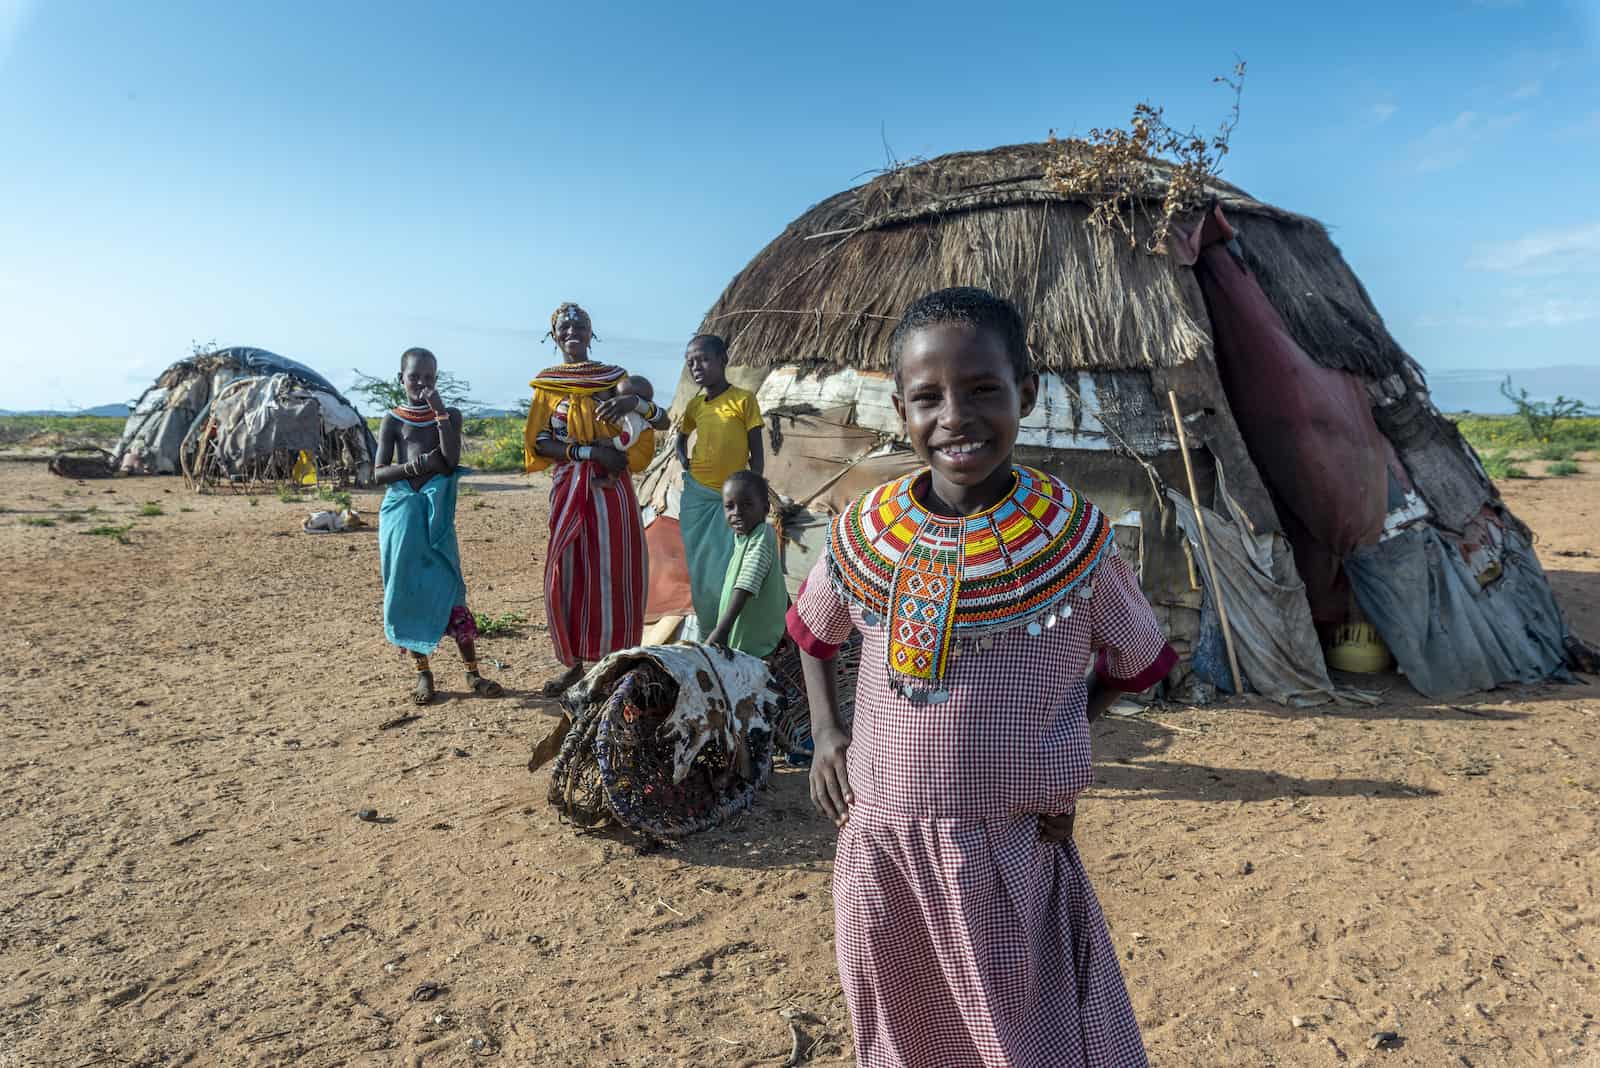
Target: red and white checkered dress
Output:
[(963, 939)]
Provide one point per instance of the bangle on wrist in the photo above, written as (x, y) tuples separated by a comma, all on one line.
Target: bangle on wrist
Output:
[(571, 454)]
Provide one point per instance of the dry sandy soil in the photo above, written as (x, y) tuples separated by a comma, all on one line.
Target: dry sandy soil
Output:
[(191, 720)]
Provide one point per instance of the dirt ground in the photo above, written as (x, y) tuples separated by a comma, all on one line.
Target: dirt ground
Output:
[(192, 718)]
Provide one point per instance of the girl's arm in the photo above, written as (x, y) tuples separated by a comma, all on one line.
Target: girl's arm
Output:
[(450, 439), (1058, 828), (724, 627), (550, 449), (1101, 697), (681, 444), (612, 409), (830, 784), (758, 456)]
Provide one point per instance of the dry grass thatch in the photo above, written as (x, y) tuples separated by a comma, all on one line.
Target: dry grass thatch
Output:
[(829, 289)]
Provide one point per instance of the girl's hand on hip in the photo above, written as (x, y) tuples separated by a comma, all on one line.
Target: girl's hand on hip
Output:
[(830, 782), (612, 459), (613, 408), (1057, 828)]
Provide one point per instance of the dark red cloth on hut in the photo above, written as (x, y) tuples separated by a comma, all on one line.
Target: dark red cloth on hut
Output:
[(1309, 429)]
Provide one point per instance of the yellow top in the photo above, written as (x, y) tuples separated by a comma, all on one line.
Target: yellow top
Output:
[(582, 426), (722, 434)]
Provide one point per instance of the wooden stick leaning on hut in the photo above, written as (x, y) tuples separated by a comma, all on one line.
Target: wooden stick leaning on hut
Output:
[(1205, 544)]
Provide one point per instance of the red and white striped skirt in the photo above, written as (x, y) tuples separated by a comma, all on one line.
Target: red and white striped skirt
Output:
[(596, 571)]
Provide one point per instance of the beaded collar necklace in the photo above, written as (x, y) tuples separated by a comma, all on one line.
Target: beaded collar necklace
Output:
[(935, 579), (417, 414)]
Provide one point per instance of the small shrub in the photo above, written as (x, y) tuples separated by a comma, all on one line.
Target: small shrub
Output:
[(496, 443), (1540, 417), (1554, 451), (288, 495), (1514, 471), (255, 502), (479, 504), (150, 509), (501, 626), (1496, 462), (470, 491), (185, 508), (339, 498), (1561, 469), (119, 534), (72, 517), (38, 521)]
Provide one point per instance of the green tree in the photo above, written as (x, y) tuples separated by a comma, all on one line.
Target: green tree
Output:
[(1540, 417), (386, 393)]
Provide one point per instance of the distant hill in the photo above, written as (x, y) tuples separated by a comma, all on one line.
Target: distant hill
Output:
[(119, 411)]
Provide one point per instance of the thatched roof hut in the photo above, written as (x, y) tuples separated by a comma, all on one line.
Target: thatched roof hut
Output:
[(1326, 476), (829, 289)]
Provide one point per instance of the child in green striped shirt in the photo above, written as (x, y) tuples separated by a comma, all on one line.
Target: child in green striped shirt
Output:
[(750, 614)]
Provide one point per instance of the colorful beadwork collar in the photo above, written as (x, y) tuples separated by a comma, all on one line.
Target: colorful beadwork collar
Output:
[(578, 379), (415, 414), (935, 579)]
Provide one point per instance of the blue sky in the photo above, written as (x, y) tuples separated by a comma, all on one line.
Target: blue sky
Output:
[(336, 182)]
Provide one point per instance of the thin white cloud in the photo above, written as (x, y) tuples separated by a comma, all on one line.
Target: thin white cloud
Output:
[(1520, 310), (1579, 129), (1555, 311), (1567, 250), (1451, 144), (13, 16)]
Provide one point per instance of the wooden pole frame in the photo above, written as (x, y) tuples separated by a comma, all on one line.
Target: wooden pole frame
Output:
[(1205, 544)]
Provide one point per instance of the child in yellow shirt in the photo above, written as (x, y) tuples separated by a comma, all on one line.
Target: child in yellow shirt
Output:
[(726, 423)]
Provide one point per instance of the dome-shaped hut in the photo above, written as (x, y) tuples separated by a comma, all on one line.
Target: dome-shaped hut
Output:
[(243, 415), (1333, 492)]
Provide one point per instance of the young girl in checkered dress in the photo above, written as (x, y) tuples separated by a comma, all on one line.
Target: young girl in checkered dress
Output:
[(967, 933)]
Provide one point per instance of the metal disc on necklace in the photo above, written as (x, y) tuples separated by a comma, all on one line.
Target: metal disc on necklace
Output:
[(1034, 629), (986, 643), (1050, 620), (1064, 611), (870, 618), (938, 697)]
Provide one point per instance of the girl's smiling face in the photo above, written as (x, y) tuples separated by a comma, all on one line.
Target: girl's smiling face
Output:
[(962, 405), (573, 334)]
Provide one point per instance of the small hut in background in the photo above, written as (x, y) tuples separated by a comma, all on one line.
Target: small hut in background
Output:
[(1335, 495), (242, 416)]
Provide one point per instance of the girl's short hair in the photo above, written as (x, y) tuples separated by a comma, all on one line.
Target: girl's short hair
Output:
[(714, 342), (417, 354), (746, 477), (965, 304)]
